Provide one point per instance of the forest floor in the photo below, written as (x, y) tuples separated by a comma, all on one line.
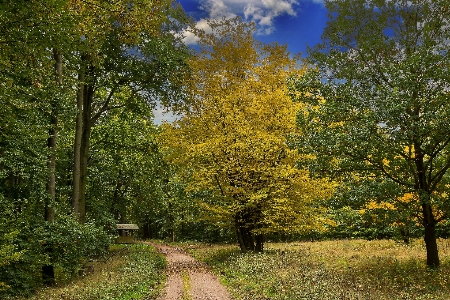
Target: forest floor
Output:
[(189, 279)]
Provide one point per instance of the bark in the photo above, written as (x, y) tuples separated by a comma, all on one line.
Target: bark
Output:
[(248, 241), (84, 150), (259, 247), (429, 221), (48, 272), (82, 136), (242, 245), (430, 237), (77, 147)]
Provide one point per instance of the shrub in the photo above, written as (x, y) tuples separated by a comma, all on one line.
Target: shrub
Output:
[(65, 244)]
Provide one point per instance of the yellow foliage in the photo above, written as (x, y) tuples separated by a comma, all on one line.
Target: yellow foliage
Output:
[(407, 198), (234, 135), (380, 205)]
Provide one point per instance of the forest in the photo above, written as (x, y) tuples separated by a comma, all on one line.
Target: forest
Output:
[(350, 142)]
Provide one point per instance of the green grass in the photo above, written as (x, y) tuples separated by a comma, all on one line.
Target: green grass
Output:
[(350, 269), (129, 272), (186, 286)]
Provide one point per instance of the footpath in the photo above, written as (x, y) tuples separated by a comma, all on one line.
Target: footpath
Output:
[(189, 279)]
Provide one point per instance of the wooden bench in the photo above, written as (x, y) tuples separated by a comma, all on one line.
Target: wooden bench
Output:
[(126, 233)]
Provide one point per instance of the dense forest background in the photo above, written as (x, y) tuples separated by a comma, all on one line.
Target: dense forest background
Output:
[(352, 141)]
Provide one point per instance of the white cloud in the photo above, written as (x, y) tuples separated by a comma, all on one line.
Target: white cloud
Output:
[(278, 7), (190, 38), (262, 12), (216, 8)]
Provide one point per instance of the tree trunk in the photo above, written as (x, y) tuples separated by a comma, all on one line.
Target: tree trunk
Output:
[(84, 150), (430, 237), (48, 272), (77, 147), (259, 247), (245, 236), (429, 222), (240, 237), (82, 135)]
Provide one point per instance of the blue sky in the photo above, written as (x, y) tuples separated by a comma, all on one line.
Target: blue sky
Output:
[(297, 23), (294, 22)]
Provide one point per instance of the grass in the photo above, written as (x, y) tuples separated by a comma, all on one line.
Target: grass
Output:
[(347, 269), (186, 286), (129, 272)]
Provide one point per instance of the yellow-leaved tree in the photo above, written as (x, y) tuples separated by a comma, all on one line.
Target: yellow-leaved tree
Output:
[(233, 138)]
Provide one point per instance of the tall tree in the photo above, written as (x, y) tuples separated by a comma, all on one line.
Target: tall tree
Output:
[(133, 48), (376, 102), (234, 137), (33, 72), (53, 53)]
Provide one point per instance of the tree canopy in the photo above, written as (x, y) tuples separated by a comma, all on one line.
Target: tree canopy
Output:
[(67, 66), (233, 137), (376, 103)]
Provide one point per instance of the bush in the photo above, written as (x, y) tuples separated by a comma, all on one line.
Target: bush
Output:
[(65, 244)]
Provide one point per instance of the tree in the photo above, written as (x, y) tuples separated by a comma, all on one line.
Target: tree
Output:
[(233, 137), (131, 48), (124, 164), (121, 53), (376, 102)]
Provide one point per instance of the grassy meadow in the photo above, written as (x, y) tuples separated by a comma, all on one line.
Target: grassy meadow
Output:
[(128, 272), (342, 269)]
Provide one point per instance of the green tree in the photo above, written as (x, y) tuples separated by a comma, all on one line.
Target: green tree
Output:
[(376, 102), (131, 49), (31, 96), (118, 54)]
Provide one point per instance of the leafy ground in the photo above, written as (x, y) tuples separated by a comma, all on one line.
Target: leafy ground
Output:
[(348, 269), (129, 272)]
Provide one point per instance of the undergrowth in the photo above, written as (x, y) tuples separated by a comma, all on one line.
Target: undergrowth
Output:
[(128, 272), (350, 269)]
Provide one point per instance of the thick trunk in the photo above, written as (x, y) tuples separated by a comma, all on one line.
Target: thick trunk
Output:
[(429, 221), (245, 237), (84, 151), (248, 241), (430, 237), (242, 245), (259, 247), (82, 135)]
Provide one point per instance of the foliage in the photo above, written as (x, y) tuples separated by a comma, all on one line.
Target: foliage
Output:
[(376, 104), (365, 209), (71, 245), (128, 57), (124, 164), (232, 140), (128, 272), (343, 269)]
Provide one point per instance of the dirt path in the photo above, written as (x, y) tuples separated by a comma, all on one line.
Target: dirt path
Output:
[(189, 279)]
